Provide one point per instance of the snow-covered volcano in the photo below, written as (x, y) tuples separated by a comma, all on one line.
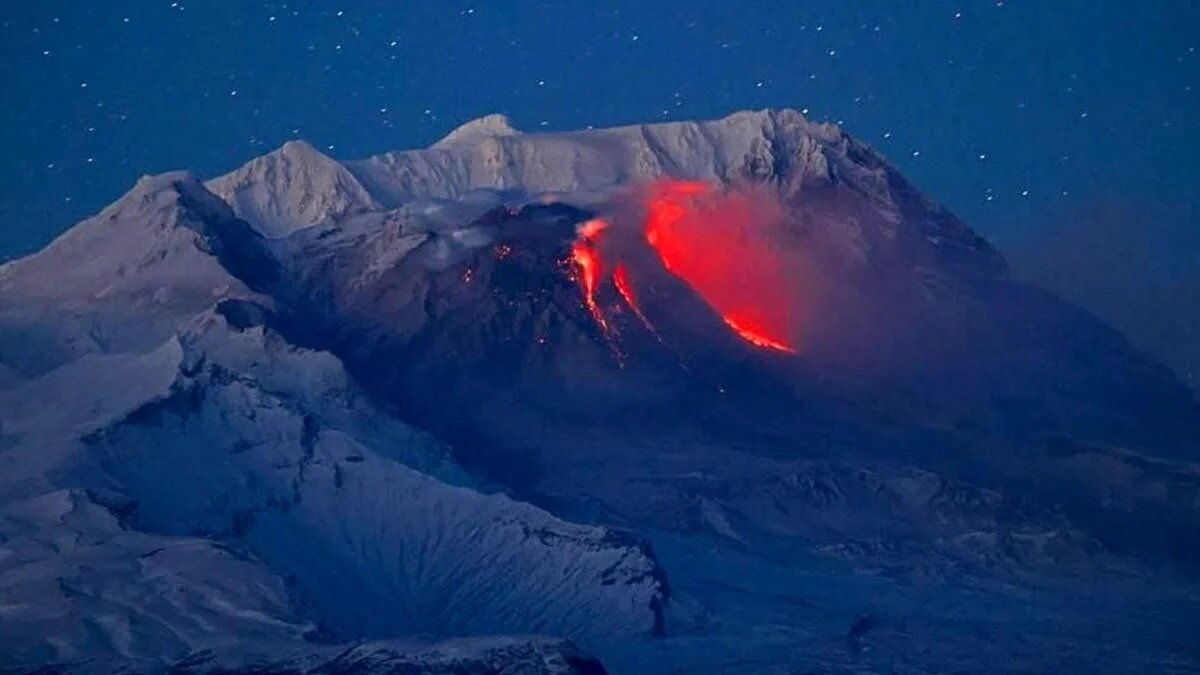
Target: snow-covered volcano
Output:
[(676, 393)]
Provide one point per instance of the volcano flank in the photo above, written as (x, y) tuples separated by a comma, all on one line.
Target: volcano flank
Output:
[(656, 397)]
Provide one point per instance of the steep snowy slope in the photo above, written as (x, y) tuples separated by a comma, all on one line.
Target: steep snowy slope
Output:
[(290, 189), (322, 486), (126, 279), (270, 448), (79, 586), (229, 445)]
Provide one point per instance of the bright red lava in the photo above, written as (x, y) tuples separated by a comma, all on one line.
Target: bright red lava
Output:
[(718, 243), (587, 259)]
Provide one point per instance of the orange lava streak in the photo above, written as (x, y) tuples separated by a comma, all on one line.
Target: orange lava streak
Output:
[(587, 259), (625, 288), (757, 339)]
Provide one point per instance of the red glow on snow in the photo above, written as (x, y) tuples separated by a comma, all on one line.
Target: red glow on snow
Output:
[(719, 243), (586, 257)]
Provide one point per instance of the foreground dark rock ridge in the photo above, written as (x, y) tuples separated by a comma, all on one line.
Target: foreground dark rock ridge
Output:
[(356, 416)]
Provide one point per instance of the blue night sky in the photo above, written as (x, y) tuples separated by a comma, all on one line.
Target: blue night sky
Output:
[(1016, 114)]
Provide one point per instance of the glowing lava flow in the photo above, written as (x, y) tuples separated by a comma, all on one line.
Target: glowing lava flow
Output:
[(625, 288), (586, 256), (757, 339), (718, 243), (723, 244)]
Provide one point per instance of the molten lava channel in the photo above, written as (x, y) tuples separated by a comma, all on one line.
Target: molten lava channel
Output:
[(586, 255), (625, 287), (757, 338)]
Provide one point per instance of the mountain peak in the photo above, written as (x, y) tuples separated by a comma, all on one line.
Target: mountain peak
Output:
[(300, 148), (291, 188), (155, 182), (495, 125)]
